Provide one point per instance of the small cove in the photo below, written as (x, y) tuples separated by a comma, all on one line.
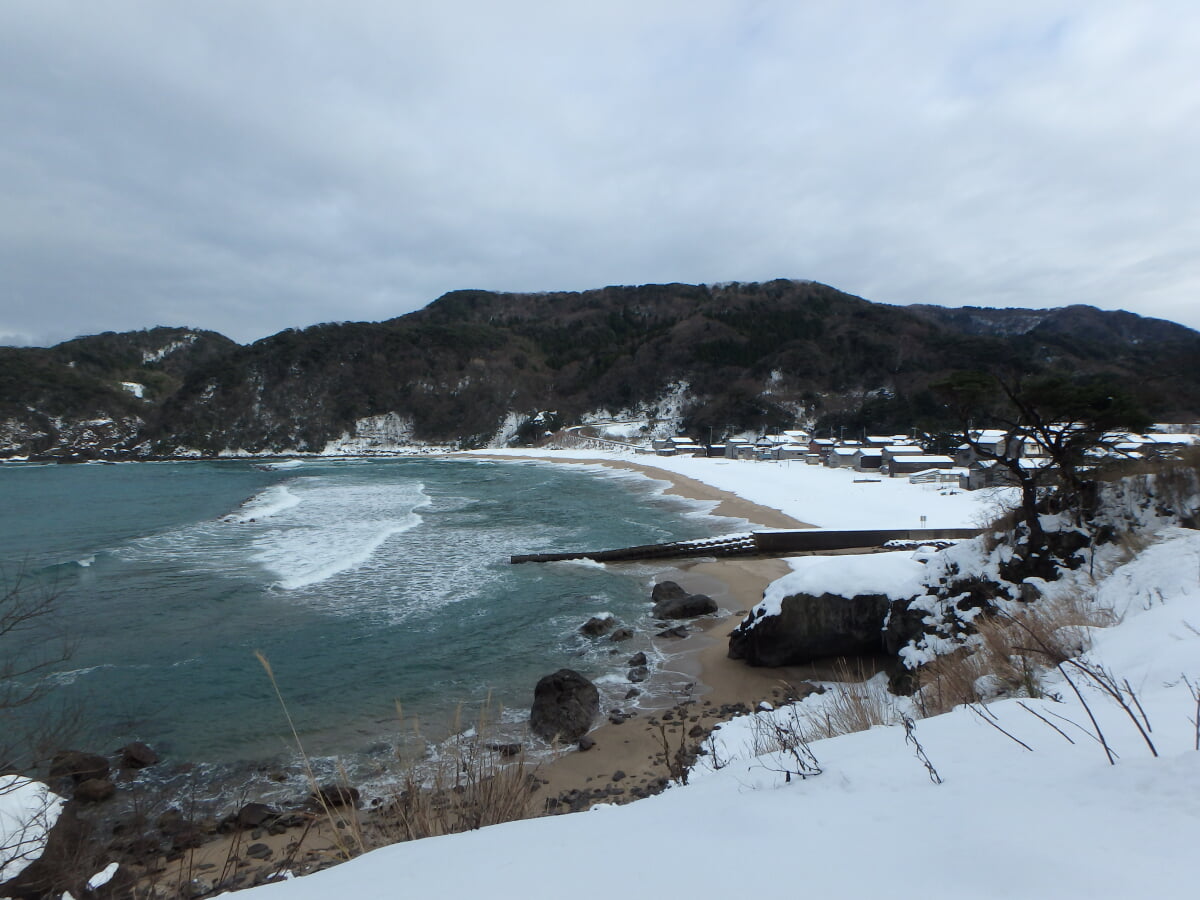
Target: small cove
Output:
[(366, 583)]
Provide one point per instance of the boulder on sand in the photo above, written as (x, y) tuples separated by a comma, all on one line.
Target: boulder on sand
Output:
[(684, 607), (564, 706)]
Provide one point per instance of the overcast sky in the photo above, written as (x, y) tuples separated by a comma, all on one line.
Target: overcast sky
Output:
[(251, 166)]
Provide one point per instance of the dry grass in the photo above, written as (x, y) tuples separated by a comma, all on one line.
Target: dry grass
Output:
[(469, 783), (1012, 653), (857, 702), (344, 823)]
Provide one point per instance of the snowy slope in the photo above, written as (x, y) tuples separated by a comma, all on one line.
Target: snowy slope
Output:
[(1053, 820)]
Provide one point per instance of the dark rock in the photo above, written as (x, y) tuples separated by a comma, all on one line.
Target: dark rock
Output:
[(506, 749), (598, 626), (94, 790), (564, 706), (337, 795), (638, 659), (679, 631), (136, 755), (631, 693), (638, 674), (79, 766), (618, 775), (621, 634), (667, 590), (586, 743), (253, 815), (686, 607), (811, 627), (259, 851)]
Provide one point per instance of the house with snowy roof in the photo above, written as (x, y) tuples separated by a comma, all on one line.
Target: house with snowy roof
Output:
[(910, 463)]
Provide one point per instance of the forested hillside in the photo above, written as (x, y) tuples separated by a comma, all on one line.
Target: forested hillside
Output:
[(737, 356)]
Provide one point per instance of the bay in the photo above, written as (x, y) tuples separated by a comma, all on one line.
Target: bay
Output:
[(367, 584)]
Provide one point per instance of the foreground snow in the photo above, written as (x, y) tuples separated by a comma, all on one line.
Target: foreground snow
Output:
[(1052, 820), (826, 498)]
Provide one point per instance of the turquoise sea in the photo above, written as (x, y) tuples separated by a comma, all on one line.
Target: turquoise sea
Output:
[(366, 583)]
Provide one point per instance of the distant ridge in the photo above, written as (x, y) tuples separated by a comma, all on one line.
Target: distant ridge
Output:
[(477, 367)]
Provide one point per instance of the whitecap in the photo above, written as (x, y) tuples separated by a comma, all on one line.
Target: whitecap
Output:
[(61, 679), (271, 502), (339, 528)]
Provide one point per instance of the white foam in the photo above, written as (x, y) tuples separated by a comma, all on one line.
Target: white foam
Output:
[(317, 556), (271, 502), (285, 464), (60, 679), (339, 527)]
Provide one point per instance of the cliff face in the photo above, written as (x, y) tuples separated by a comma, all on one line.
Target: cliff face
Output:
[(730, 357)]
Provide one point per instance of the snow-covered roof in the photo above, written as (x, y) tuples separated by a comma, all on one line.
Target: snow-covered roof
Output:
[(921, 458)]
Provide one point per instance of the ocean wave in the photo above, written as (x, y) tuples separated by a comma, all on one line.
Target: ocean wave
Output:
[(271, 502), (317, 556), (285, 464), (334, 528), (62, 679)]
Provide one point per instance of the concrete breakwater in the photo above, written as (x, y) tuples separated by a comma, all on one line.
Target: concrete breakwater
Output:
[(760, 543)]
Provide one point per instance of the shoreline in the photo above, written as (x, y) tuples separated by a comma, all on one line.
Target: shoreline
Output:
[(629, 757), (728, 504), (633, 748)]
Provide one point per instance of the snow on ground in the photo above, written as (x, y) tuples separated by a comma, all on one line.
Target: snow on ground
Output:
[(27, 812), (824, 497), (1051, 819)]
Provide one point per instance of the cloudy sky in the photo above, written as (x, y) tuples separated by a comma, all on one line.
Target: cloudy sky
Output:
[(248, 166)]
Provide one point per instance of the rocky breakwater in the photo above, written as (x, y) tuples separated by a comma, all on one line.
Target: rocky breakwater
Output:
[(827, 607)]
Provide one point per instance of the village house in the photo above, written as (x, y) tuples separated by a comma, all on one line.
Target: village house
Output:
[(868, 459), (911, 463), (841, 457)]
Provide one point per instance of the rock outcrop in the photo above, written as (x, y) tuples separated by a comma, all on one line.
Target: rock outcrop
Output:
[(136, 755), (673, 602), (564, 706), (812, 627)]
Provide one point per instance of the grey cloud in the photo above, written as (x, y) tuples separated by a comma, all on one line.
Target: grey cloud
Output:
[(253, 166)]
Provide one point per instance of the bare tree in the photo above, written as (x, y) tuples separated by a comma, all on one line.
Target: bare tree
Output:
[(34, 642)]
